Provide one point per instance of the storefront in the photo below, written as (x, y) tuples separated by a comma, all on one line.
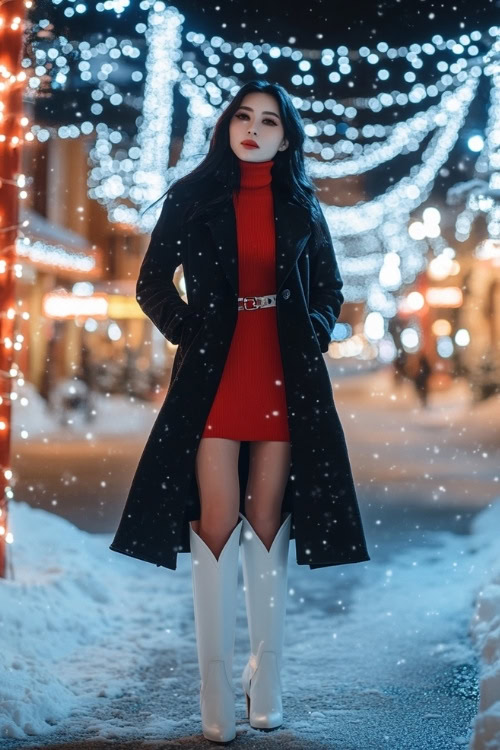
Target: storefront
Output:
[(48, 256)]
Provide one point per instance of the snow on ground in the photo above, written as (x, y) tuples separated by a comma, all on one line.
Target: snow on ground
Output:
[(98, 646), (120, 415), (453, 407), (446, 455), (485, 628), (77, 623), (115, 414)]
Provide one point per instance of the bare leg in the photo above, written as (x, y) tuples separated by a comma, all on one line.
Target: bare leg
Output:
[(216, 471), (268, 475)]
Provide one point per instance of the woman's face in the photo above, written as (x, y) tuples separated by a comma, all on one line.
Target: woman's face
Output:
[(257, 119)]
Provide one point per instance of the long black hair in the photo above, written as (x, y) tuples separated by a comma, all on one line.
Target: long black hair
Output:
[(221, 163)]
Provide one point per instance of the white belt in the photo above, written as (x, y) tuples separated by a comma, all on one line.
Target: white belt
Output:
[(255, 303)]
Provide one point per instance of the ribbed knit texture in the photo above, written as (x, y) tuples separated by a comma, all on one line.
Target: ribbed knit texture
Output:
[(250, 403)]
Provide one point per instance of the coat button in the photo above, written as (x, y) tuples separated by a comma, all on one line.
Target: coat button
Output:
[(285, 293)]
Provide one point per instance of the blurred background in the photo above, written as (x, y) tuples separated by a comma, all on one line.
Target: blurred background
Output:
[(401, 107)]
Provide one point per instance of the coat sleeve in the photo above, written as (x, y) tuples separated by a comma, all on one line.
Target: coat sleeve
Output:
[(325, 297), (155, 290)]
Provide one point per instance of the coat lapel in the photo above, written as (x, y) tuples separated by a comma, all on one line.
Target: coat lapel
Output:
[(292, 230)]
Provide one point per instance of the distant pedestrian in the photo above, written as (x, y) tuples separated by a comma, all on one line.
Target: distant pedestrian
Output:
[(400, 364), (422, 378)]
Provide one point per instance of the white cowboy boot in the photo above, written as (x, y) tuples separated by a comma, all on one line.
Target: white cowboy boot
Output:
[(265, 577), (214, 595)]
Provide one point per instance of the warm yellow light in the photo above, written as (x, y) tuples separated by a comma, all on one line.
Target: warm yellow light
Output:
[(440, 267), (65, 305), (445, 296), (441, 327), (415, 301), (123, 307)]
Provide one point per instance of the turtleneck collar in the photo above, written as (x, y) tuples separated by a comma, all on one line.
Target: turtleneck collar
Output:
[(255, 174)]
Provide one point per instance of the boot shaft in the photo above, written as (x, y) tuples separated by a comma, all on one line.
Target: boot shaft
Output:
[(265, 576), (214, 599)]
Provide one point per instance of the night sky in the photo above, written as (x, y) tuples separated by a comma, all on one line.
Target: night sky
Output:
[(352, 23)]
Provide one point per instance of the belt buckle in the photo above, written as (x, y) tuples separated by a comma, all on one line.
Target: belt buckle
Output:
[(255, 306)]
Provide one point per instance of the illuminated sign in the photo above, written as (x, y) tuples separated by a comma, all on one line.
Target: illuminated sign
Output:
[(444, 296), (62, 305), (120, 306)]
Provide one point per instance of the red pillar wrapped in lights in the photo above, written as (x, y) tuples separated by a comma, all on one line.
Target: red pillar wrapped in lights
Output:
[(12, 126)]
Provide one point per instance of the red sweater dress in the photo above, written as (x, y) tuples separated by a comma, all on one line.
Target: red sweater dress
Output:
[(250, 403)]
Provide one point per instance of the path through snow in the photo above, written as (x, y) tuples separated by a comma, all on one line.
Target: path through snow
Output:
[(98, 648)]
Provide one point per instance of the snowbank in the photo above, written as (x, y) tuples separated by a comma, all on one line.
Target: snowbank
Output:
[(485, 631), (69, 599)]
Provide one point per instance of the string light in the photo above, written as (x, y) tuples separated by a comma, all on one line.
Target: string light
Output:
[(376, 253), (481, 193), (12, 132), (55, 256)]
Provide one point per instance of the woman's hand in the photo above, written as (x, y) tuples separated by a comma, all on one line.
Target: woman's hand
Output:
[(156, 292), (325, 297)]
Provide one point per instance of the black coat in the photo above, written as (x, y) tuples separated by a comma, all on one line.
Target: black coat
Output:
[(320, 494)]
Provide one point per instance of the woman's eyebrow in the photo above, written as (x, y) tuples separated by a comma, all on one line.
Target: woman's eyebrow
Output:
[(264, 113)]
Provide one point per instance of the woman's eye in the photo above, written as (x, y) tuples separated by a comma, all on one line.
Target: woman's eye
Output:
[(243, 114)]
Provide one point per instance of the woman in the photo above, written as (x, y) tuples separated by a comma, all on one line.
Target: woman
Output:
[(247, 448)]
